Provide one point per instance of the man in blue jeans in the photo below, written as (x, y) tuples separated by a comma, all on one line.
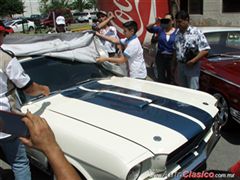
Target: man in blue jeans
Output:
[(11, 76)]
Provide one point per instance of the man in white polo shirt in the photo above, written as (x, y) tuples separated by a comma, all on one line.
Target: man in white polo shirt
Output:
[(132, 51), (12, 76)]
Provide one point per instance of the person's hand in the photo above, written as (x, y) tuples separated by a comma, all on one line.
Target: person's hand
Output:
[(158, 19), (101, 59), (111, 15), (45, 90), (191, 63), (98, 34), (41, 135)]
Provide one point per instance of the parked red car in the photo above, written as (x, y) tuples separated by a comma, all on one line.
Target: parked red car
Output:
[(48, 22), (220, 73)]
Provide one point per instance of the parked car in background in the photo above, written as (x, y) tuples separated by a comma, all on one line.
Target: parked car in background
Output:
[(20, 25), (86, 16), (112, 127), (49, 20), (220, 72), (37, 18)]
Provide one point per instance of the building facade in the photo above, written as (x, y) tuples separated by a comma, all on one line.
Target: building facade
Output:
[(210, 12), (31, 7)]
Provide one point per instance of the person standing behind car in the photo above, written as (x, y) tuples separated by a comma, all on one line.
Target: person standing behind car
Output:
[(60, 24), (166, 37), (11, 76), (190, 46), (132, 51), (104, 28)]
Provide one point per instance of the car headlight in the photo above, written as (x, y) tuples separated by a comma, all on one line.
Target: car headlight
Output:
[(134, 173), (159, 163)]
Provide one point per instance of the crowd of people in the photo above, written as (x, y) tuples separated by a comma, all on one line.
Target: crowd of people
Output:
[(180, 50)]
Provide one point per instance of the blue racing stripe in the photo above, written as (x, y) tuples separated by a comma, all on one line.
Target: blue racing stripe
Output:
[(190, 110), (133, 107)]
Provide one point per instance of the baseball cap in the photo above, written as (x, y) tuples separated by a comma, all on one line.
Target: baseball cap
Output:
[(4, 28), (104, 13), (60, 20)]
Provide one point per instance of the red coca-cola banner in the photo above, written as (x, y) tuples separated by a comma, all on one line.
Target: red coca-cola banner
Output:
[(141, 11)]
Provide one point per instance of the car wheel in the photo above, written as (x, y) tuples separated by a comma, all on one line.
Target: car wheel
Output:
[(222, 105), (30, 29)]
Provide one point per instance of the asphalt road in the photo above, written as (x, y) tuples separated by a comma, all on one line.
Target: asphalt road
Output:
[(227, 150)]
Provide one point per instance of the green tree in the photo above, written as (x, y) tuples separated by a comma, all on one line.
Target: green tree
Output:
[(83, 4), (47, 5), (11, 7), (93, 4)]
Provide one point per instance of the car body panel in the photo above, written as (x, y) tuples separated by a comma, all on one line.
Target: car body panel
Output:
[(108, 127), (17, 25), (109, 132), (220, 73)]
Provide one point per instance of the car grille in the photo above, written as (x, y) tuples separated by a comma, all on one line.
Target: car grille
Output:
[(186, 149)]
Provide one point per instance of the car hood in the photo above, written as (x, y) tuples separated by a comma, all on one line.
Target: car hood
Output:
[(133, 110), (229, 69)]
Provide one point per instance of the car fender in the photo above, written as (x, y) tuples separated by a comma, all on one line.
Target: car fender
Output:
[(78, 167)]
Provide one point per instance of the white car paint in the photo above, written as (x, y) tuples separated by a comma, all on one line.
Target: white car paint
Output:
[(17, 25), (104, 143)]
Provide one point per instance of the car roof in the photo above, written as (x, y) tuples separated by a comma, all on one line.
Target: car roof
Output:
[(218, 29)]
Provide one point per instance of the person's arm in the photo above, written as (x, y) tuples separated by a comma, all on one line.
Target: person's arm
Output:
[(199, 56), (104, 23), (43, 139), (16, 74), (36, 89), (151, 25), (108, 38), (203, 48), (117, 60)]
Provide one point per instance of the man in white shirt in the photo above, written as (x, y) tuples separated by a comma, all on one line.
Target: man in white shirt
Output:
[(12, 76), (132, 51)]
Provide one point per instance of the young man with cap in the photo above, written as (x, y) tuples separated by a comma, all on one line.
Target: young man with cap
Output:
[(13, 76), (104, 28), (60, 24)]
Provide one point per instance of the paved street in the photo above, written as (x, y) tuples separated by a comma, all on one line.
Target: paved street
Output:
[(226, 152)]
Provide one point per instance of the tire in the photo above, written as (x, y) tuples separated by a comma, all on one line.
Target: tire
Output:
[(30, 29), (223, 113)]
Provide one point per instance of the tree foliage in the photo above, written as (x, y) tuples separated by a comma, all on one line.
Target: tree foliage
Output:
[(11, 7), (46, 5), (80, 5)]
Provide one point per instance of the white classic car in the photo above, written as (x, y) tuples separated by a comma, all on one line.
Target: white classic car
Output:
[(18, 24), (114, 128)]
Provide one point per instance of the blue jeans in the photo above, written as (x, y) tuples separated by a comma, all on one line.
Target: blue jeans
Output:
[(188, 76), (15, 154)]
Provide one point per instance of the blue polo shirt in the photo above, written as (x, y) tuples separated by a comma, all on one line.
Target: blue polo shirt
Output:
[(164, 45)]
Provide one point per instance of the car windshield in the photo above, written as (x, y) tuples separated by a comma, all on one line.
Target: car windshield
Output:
[(60, 74), (8, 23), (224, 43)]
